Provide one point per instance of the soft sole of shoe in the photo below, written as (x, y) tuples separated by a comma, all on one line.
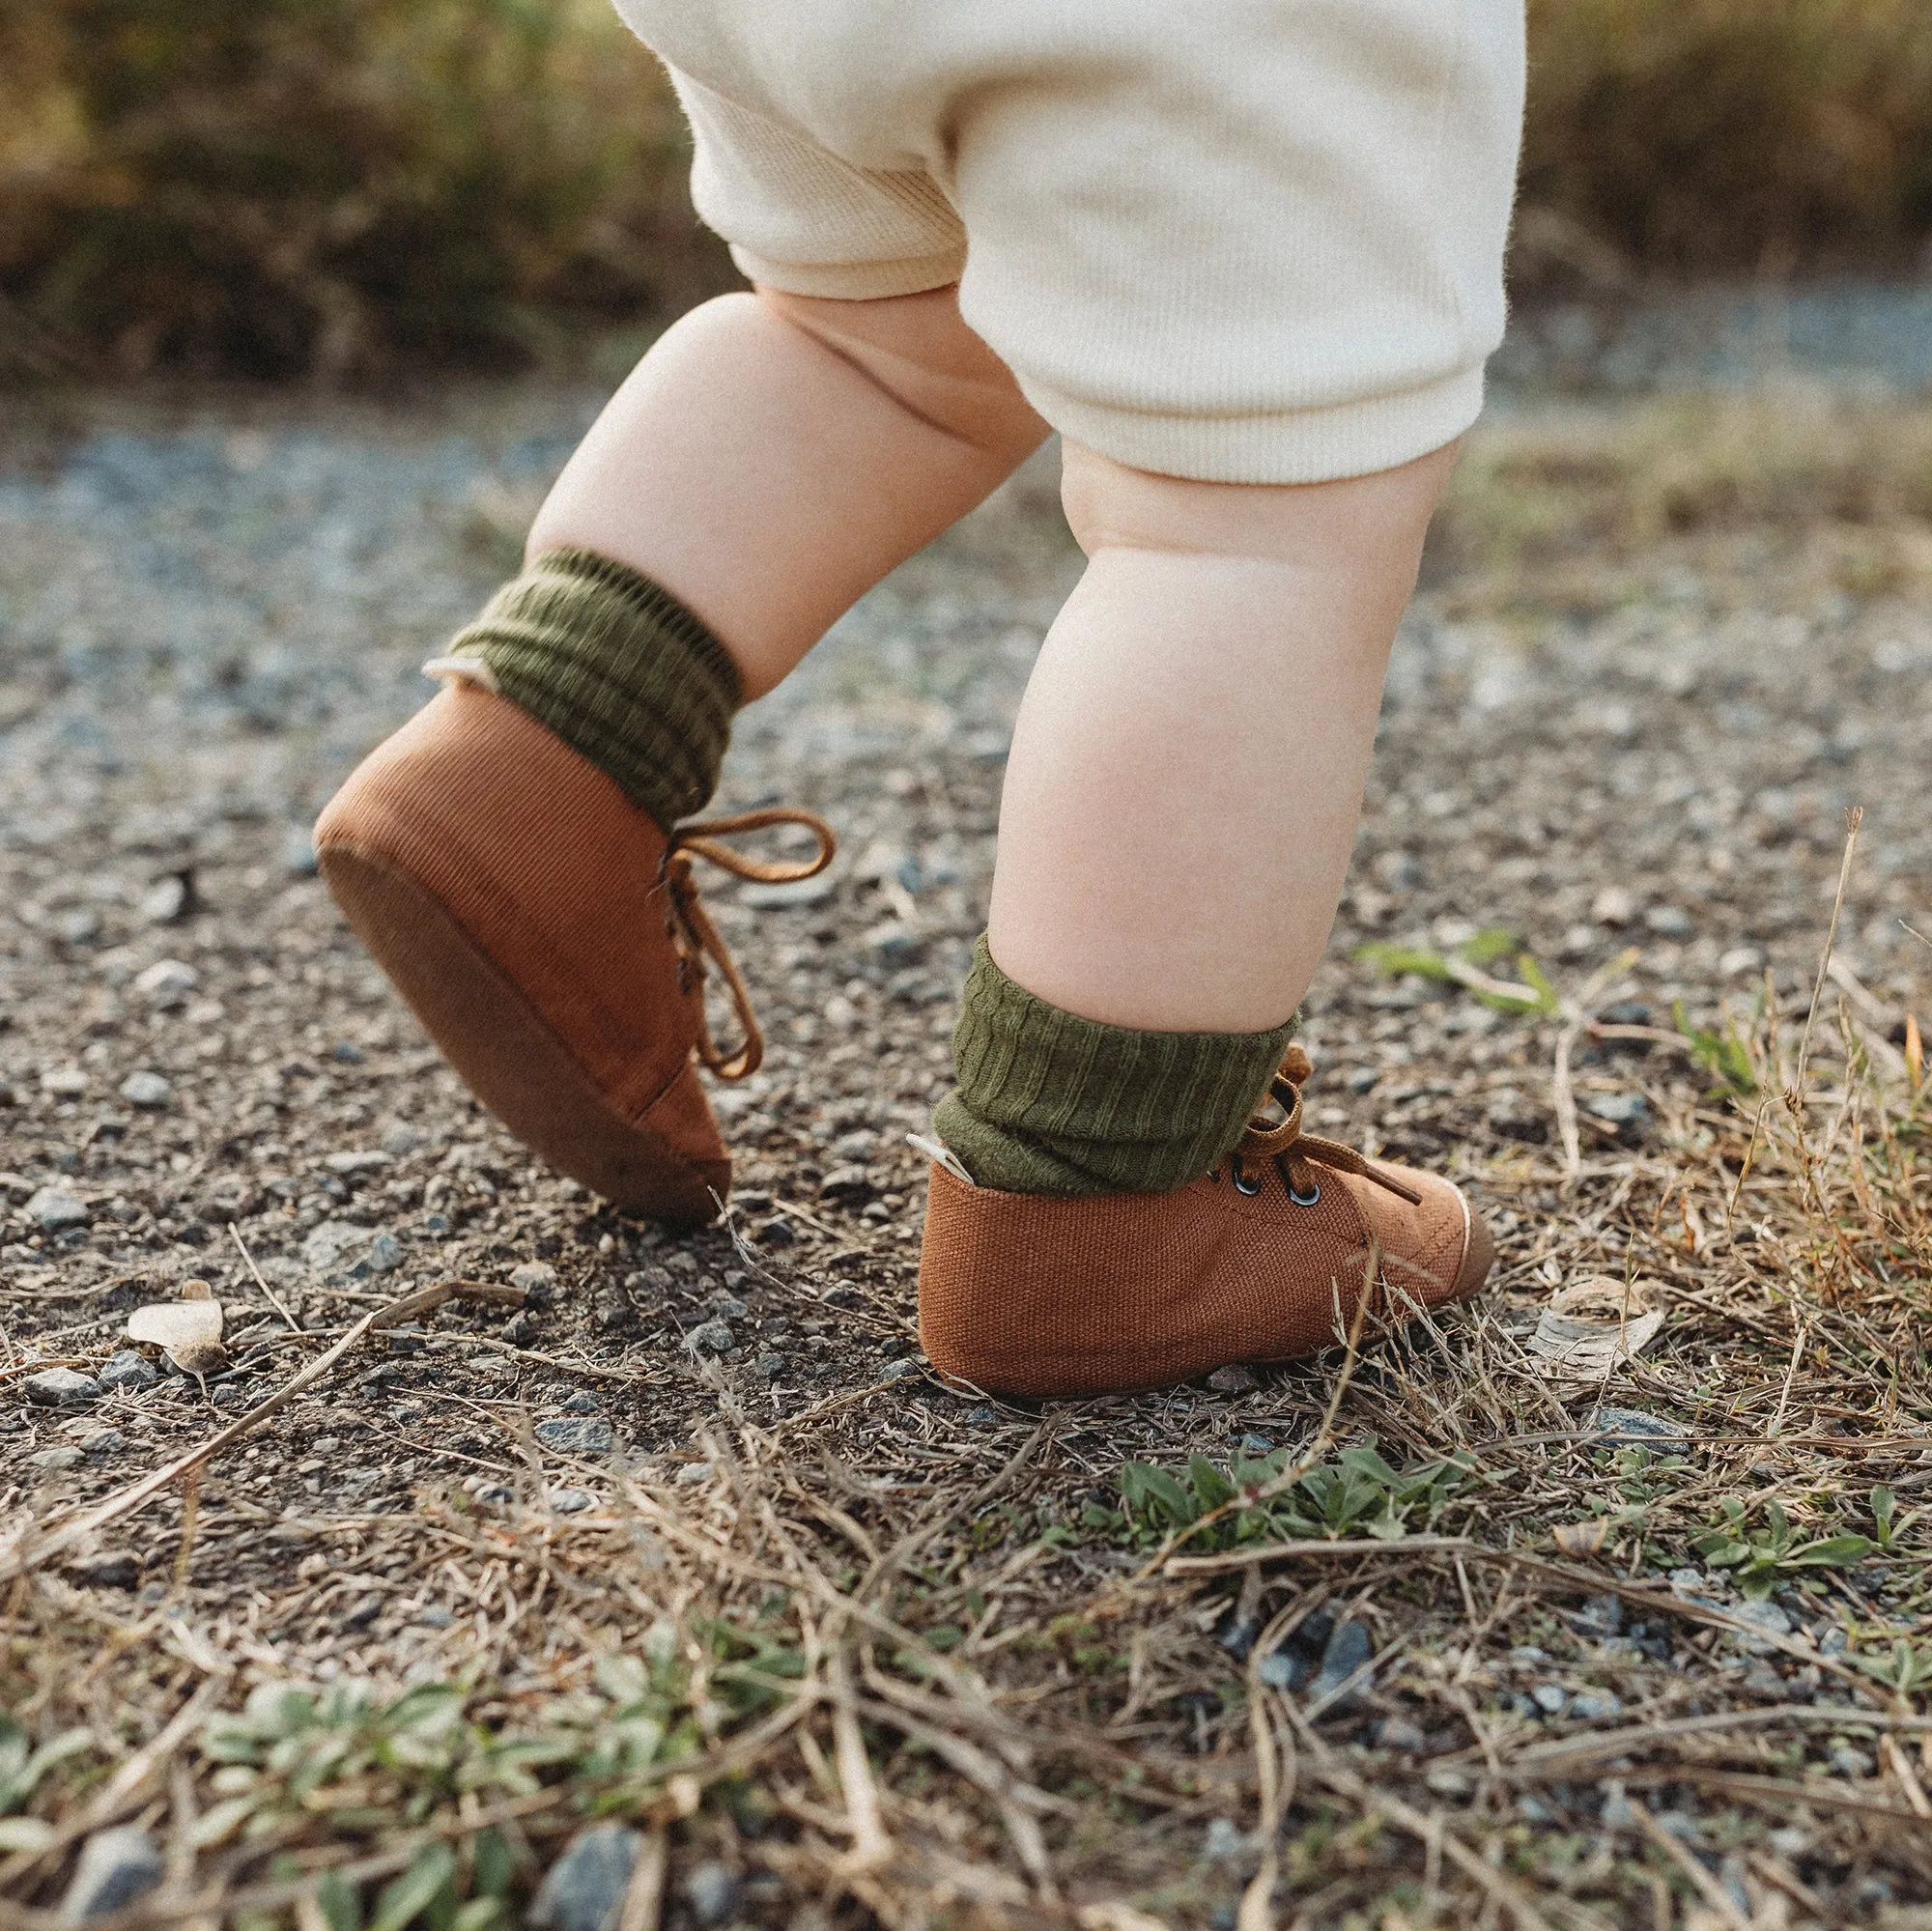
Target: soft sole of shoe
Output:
[(504, 1052)]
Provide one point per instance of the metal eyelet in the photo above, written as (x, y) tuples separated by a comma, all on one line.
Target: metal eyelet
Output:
[(1307, 1198), (1245, 1185)]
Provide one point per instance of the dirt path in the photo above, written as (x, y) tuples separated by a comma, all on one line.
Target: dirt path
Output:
[(204, 621)]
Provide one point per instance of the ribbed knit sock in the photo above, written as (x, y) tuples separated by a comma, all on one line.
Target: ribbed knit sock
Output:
[(1050, 1103), (619, 669)]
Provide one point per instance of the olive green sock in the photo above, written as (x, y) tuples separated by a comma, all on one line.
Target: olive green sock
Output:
[(1050, 1103), (619, 669)]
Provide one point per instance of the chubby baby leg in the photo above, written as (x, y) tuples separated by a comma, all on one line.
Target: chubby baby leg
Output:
[(1188, 765), (774, 455)]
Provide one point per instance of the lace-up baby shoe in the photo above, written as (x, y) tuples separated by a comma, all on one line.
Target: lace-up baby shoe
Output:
[(549, 935), (1287, 1248)]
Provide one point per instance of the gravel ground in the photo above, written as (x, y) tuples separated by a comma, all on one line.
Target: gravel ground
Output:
[(210, 609)]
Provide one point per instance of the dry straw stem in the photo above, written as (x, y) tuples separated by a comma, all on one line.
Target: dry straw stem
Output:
[(63, 1535)]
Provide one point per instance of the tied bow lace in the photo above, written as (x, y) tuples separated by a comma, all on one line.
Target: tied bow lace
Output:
[(1296, 1154), (695, 938)]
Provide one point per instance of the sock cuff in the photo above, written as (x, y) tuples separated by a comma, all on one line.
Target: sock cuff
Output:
[(618, 668), (1050, 1102)]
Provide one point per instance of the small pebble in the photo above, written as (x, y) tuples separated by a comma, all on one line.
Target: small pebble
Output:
[(1632, 1427), (115, 1869), (1232, 1379), (119, 1571), (769, 1365), (147, 1089), (1257, 1445), (570, 1501), (61, 1387), (536, 1281), (1398, 1733), (1593, 1706), (1549, 1698), (64, 1082), (55, 1208), (52, 1460), (577, 1434), (584, 1890), (102, 1443), (711, 1892), (1347, 1649), (899, 1371), (711, 1337), (167, 981), (386, 1254)]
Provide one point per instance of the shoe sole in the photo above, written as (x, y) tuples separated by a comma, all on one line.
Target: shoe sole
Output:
[(502, 1049)]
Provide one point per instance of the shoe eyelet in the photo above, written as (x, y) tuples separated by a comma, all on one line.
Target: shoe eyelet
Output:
[(1307, 1198), (1245, 1185)]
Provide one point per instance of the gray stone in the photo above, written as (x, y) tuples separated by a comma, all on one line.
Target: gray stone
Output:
[(169, 900), (848, 1182), (146, 1090), (712, 1892), (711, 1337), (1670, 921), (119, 1571), (1549, 1698), (55, 1208), (60, 1387), (55, 1461), (535, 1277), (584, 1890), (403, 1137), (103, 1441), (1347, 1649), (769, 1365), (298, 853), (365, 1161), (571, 1502), (114, 1867), (1232, 1379), (1593, 1706), (64, 1082), (167, 981), (1398, 1733), (580, 1402), (728, 1307), (899, 1371), (1632, 1427), (577, 1434), (1845, 1761), (386, 1254), (327, 1244)]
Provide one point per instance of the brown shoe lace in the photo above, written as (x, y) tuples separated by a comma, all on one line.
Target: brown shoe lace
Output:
[(1295, 1154), (696, 938)]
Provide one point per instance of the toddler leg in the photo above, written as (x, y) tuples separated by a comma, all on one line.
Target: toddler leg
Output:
[(1179, 807), (513, 857), (774, 455)]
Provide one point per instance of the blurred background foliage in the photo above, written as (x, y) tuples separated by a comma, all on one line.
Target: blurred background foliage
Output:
[(346, 188)]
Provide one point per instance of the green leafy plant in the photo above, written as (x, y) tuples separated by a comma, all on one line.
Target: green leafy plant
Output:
[(363, 1762), (1760, 1559), (1903, 1668), (1468, 966), (1724, 1056), (1357, 1493), (22, 1769), (1888, 1525)]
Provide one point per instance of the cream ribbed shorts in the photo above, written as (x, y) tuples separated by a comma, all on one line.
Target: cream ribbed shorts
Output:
[(1245, 240)]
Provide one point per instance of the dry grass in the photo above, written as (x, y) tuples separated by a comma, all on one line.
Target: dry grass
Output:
[(1580, 503), (894, 1678)]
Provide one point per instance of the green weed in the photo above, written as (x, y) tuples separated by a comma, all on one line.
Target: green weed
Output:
[(1724, 1055), (1356, 1495), (1760, 1559), (1468, 966)]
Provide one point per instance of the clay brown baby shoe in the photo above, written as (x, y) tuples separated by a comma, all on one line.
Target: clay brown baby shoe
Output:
[(549, 935), (1264, 1259)]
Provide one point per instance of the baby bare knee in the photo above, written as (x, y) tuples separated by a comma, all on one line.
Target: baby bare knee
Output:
[(918, 350), (1110, 506)]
